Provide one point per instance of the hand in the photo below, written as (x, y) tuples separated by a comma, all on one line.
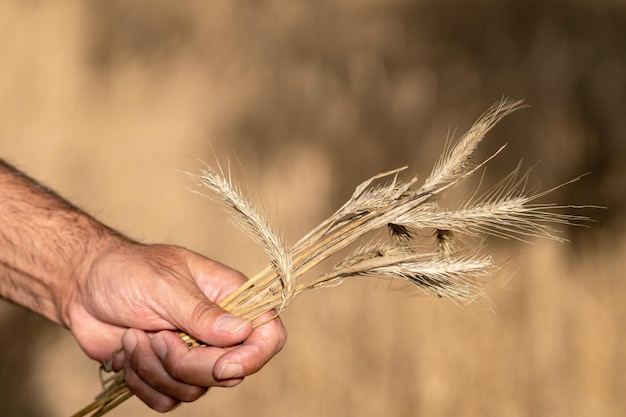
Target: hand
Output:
[(137, 296)]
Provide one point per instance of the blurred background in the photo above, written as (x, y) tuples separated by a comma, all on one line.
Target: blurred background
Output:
[(107, 102)]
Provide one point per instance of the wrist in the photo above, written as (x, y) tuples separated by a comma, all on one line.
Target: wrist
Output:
[(99, 241), (46, 245)]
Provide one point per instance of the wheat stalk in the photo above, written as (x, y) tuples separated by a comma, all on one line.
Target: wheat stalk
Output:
[(385, 201)]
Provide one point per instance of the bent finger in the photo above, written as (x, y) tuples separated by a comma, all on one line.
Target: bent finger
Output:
[(192, 366), (146, 373), (262, 345), (151, 397)]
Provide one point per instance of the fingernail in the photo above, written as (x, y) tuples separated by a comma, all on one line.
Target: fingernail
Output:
[(230, 371), (159, 346), (129, 341), (230, 323)]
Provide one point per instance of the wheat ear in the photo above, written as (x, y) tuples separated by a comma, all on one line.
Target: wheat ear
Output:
[(385, 201)]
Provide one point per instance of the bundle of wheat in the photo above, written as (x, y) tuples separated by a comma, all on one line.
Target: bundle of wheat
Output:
[(385, 201)]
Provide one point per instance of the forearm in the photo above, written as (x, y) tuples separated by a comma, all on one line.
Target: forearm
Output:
[(45, 244)]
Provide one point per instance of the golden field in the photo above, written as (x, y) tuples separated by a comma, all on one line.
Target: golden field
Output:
[(107, 102)]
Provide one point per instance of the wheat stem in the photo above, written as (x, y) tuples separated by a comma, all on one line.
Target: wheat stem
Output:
[(505, 211)]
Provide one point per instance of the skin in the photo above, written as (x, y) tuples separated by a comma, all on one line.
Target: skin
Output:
[(112, 293)]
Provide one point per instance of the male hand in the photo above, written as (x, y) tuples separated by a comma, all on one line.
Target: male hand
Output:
[(137, 296)]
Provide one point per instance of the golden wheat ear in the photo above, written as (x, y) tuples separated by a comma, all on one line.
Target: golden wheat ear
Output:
[(397, 212)]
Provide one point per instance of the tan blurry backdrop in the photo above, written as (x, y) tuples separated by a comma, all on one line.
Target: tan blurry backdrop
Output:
[(106, 101)]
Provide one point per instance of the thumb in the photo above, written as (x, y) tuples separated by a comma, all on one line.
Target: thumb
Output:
[(211, 324)]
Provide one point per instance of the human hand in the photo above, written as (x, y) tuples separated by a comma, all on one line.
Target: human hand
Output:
[(138, 296)]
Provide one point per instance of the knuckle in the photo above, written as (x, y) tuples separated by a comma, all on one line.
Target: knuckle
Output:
[(137, 365), (163, 404), (201, 311), (174, 361), (282, 340), (176, 369), (255, 358), (192, 394), (178, 373)]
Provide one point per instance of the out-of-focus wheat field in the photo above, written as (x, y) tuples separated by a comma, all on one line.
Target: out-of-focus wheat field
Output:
[(107, 102)]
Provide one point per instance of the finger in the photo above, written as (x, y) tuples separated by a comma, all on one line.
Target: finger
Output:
[(149, 379), (151, 397), (262, 344), (191, 366), (117, 360)]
